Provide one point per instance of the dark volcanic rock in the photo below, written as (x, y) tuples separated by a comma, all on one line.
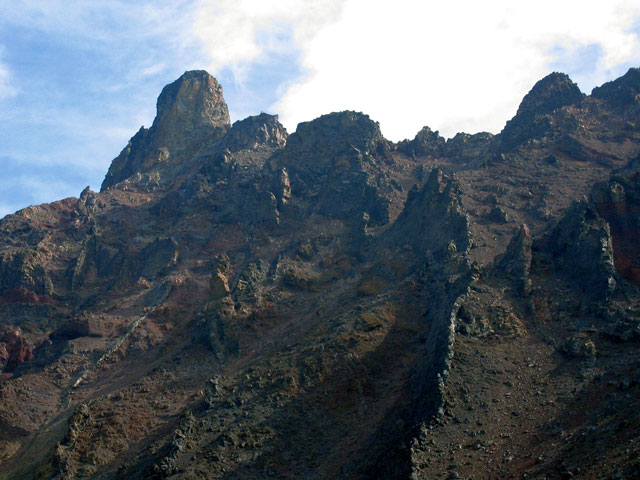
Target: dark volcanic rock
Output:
[(516, 261), (464, 147), (621, 92), (189, 109), (22, 269), (88, 202), (552, 92), (618, 202), (191, 114), (582, 249), (578, 346), (331, 165), (259, 130), (220, 278), (532, 120), (251, 281), (354, 319), (97, 262), (158, 257), (426, 142), (315, 144), (217, 329), (433, 218), (498, 215)]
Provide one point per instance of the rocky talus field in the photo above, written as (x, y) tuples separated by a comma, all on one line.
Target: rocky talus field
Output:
[(238, 302)]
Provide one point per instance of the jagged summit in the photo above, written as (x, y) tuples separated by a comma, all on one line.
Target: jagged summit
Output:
[(552, 92), (194, 102), (263, 129), (335, 132), (333, 161), (240, 303), (426, 142), (191, 114), (621, 91)]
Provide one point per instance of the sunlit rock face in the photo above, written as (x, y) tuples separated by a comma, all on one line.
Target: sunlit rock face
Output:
[(191, 114)]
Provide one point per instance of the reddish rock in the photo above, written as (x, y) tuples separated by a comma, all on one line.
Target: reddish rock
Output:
[(23, 295), (14, 350), (617, 203), (4, 353)]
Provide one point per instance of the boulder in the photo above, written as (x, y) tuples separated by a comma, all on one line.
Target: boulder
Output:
[(497, 214), (581, 347)]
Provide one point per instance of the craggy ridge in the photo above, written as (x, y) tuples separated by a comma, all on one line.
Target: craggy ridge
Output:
[(241, 302)]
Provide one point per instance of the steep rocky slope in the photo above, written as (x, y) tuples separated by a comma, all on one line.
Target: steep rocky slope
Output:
[(238, 302)]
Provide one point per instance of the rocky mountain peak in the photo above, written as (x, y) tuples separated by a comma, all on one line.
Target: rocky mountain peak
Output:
[(191, 115), (622, 91), (239, 303), (552, 92), (194, 102), (336, 132), (333, 163), (426, 142), (263, 129)]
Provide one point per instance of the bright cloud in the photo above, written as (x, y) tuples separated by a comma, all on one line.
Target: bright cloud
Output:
[(459, 65), (238, 32)]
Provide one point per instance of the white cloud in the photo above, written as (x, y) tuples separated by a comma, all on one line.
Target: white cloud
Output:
[(460, 65), (237, 32)]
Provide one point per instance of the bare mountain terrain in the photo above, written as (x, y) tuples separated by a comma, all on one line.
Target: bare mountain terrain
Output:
[(241, 303)]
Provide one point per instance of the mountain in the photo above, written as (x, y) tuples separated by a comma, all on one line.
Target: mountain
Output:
[(240, 302)]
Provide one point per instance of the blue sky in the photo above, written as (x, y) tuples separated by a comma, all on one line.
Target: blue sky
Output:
[(78, 78)]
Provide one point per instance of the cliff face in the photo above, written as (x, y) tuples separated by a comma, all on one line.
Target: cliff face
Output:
[(191, 115), (238, 302)]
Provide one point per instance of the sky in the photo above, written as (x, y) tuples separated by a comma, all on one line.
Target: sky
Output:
[(79, 77)]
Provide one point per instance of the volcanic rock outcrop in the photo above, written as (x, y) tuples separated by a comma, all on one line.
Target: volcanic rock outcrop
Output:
[(191, 114), (532, 120), (238, 302)]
